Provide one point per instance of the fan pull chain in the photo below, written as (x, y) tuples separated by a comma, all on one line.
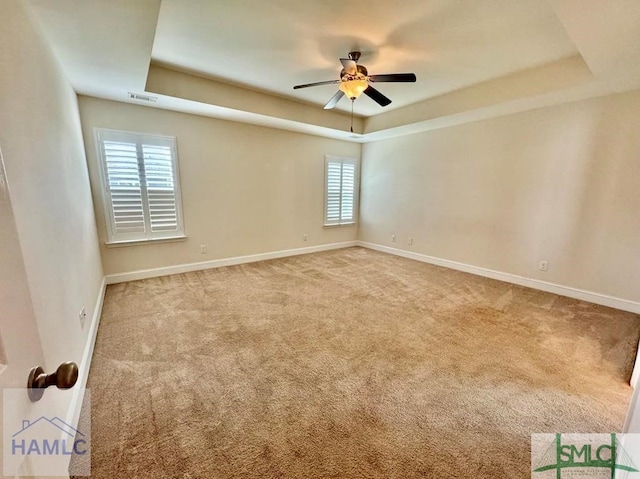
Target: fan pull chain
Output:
[(352, 102)]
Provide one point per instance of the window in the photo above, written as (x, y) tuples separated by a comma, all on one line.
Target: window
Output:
[(141, 186), (341, 188)]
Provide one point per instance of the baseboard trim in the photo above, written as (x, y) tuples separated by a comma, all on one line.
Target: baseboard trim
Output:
[(73, 415), (589, 296), (217, 263)]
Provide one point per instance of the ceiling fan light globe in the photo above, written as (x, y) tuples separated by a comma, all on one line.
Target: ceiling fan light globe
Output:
[(353, 88)]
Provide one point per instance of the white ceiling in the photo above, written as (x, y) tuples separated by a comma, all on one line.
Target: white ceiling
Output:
[(459, 49), (274, 45), (104, 46)]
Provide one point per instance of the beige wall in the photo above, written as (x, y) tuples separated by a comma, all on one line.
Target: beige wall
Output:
[(245, 189), (47, 179), (560, 184)]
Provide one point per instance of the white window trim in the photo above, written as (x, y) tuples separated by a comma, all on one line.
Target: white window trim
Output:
[(150, 139), (356, 192)]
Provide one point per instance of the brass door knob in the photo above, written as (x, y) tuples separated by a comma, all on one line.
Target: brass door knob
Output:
[(65, 377)]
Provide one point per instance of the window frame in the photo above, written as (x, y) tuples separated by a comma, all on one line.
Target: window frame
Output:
[(356, 190), (115, 239)]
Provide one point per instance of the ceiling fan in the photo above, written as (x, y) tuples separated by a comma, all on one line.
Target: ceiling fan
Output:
[(355, 80)]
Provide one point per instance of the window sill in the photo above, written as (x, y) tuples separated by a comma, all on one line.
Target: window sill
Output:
[(339, 225), (120, 244)]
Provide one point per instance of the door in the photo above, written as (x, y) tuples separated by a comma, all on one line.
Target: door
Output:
[(20, 350)]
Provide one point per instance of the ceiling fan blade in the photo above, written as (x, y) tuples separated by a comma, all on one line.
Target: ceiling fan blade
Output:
[(394, 77), (376, 96), (307, 85), (349, 66), (334, 100)]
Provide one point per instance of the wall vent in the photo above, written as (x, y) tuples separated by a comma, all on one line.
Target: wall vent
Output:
[(137, 96)]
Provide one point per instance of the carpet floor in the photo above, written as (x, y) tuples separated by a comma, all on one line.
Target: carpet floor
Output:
[(347, 364)]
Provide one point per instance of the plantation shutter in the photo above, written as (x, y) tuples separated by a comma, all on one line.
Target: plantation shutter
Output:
[(125, 190), (158, 168), (334, 196), (348, 192), (340, 192), (141, 186)]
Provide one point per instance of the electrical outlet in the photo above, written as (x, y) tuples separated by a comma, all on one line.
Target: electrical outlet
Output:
[(203, 249), (543, 265), (393, 238), (83, 317), (410, 241), (305, 237)]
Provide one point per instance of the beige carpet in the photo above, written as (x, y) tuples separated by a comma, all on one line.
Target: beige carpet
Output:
[(347, 364)]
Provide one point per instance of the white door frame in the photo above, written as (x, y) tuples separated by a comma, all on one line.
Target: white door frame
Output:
[(632, 424), (635, 377)]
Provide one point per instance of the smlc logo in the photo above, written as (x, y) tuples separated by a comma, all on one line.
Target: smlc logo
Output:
[(48, 437), (588, 455)]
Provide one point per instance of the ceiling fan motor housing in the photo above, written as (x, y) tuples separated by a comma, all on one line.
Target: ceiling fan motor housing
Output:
[(361, 74)]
